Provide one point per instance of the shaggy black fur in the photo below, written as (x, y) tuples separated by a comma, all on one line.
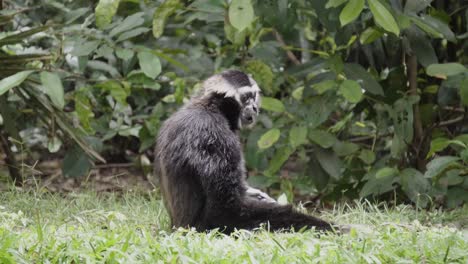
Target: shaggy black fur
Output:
[(202, 173)]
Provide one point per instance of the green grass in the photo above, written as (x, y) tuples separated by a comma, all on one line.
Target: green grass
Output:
[(133, 228)]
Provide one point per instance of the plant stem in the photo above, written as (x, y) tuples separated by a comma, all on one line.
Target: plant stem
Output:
[(412, 74)]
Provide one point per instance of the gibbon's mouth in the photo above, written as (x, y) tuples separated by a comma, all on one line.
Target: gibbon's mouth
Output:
[(248, 117)]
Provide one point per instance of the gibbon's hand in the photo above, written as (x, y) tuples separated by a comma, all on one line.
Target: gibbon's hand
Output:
[(257, 194)]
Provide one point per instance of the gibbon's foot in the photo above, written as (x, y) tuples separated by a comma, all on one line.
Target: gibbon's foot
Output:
[(261, 196)]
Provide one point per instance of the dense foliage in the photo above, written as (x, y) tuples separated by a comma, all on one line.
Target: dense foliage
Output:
[(361, 98)]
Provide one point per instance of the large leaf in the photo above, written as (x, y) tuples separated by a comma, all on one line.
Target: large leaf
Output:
[(415, 186), (334, 3), (269, 138), (322, 138), (445, 69), (421, 46), (351, 91), (272, 104), (367, 156), (53, 87), (414, 6), (84, 48), (343, 148), (13, 81), (434, 27), (241, 14), (358, 73), (464, 91), (149, 64), (439, 165), (21, 36), (105, 11), (377, 186), (128, 23), (75, 163), (330, 162), (440, 144), (280, 157), (370, 35), (351, 11), (298, 136), (166, 9), (383, 17)]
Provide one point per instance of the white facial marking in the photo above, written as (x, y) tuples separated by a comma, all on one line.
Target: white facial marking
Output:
[(217, 84)]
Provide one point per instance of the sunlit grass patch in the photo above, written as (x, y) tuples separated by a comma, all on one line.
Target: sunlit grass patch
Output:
[(134, 228)]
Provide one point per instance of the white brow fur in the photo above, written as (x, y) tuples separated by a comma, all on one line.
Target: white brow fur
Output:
[(217, 84)]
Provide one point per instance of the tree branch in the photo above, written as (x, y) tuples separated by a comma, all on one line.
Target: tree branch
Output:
[(289, 53)]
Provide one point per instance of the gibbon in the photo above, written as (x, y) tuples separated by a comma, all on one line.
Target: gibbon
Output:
[(200, 164)]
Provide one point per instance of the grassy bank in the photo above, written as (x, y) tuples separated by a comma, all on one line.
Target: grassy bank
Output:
[(133, 228)]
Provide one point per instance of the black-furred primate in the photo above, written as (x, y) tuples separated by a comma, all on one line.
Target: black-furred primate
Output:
[(201, 168)]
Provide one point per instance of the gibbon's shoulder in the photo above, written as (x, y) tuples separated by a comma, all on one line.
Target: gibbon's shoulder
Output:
[(195, 123)]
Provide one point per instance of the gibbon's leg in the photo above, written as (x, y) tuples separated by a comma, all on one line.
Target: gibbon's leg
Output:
[(278, 217)]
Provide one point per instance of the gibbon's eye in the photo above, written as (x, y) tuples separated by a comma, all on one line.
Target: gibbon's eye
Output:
[(246, 96)]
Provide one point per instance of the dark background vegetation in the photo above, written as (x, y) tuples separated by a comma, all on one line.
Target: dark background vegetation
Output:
[(361, 98)]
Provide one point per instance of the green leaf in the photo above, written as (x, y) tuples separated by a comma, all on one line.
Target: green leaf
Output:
[(437, 145), (322, 138), (386, 172), (297, 136), (282, 199), (124, 54), (351, 91), (324, 86), (297, 93), (370, 35), (54, 144), (241, 14), (13, 81), (439, 165), (383, 17), (261, 73), (415, 186), (84, 48), (165, 10), (132, 33), (438, 26), (356, 72), (345, 148), (75, 163), (377, 186), (105, 11), (149, 64), (330, 162), (280, 157), (414, 6), (446, 69), (367, 156), (53, 88), (334, 3), (272, 104), (116, 91), (351, 11), (128, 23), (83, 109), (269, 138), (464, 91), (421, 46)]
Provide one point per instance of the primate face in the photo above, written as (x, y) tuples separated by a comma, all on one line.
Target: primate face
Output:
[(250, 106), (242, 88)]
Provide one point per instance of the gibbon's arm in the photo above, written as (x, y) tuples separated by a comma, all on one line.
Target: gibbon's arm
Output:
[(215, 158), (256, 193)]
